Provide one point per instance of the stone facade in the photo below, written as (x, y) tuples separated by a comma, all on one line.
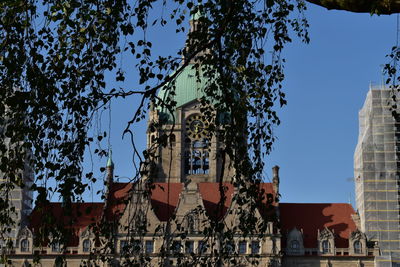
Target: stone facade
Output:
[(171, 219), (161, 219)]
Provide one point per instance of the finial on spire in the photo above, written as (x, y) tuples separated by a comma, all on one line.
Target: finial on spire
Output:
[(197, 15), (110, 163)]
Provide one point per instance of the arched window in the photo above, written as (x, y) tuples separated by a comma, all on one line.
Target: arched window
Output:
[(295, 245), (86, 245), (326, 247), (357, 247), (24, 245), (197, 156), (55, 247)]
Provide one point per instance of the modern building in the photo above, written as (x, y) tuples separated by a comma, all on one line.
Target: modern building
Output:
[(376, 172)]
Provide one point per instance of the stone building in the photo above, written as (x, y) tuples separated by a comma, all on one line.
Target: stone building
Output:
[(21, 201), (161, 219), (166, 218), (323, 234)]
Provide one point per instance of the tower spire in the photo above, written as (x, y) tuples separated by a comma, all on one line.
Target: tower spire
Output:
[(110, 169), (196, 28)]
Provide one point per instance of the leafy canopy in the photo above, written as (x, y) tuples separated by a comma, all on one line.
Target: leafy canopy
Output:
[(57, 57)]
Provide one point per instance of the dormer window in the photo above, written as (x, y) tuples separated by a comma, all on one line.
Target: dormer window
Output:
[(326, 247), (357, 242), (357, 247), (326, 239), (86, 245), (23, 239), (295, 242), (295, 245), (24, 245), (55, 247)]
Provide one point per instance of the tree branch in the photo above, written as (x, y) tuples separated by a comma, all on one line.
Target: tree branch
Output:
[(380, 7)]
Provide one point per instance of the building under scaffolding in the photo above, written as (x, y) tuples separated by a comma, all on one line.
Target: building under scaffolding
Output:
[(376, 172)]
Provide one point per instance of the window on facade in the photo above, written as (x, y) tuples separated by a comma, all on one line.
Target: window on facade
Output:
[(326, 246), (123, 245), (136, 246), (197, 157), (295, 245), (242, 247), (230, 247), (55, 247), (255, 247), (357, 247), (189, 247), (149, 246), (86, 245), (202, 247), (24, 245), (176, 246)]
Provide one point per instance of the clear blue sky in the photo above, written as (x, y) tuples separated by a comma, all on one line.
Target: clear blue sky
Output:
[(326, 84)]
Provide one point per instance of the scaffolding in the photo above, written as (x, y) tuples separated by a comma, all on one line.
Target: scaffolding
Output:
[(376, 172)]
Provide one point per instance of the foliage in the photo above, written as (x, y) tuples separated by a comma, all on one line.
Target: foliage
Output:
[(55, 57), (372, 7)]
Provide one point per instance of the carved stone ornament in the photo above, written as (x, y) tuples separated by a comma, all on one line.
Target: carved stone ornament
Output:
[(86, 233), (325, 234), (357, 235), (24, 233)]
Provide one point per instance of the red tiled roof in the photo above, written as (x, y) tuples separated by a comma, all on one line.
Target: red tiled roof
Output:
[(164, 199), (268, 204), (216, 197), (313, 216), (54, 215), (117, 199)]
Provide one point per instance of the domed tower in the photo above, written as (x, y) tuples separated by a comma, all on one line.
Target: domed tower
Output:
[(189, 152)]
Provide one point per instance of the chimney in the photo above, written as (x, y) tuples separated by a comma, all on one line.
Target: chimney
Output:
[(275, 174), (275, 179)]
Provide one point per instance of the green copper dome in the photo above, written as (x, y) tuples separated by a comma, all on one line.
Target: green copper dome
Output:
[(187, 89)]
